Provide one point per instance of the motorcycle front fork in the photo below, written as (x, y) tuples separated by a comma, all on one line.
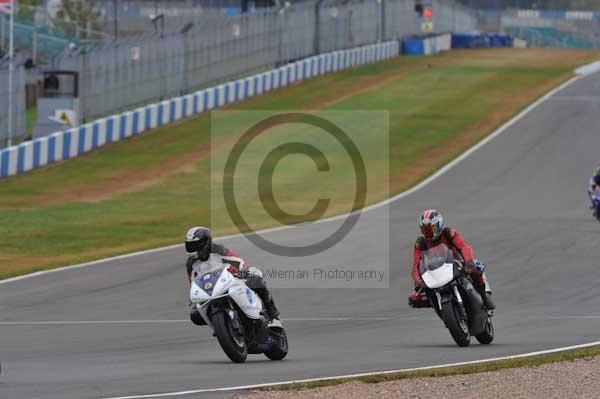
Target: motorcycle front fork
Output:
[(459, 300)]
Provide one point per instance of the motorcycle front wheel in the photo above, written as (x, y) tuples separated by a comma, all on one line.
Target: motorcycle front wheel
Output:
[(233, 344), (458, 327)]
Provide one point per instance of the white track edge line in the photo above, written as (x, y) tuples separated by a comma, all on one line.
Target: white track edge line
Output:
[(401, 195), (164, 321), (274, 384)]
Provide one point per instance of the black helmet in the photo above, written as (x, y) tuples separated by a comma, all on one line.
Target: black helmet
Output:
[(198, 239)]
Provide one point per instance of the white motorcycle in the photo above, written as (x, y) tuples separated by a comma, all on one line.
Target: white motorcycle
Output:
[(453, 297), (234, 312)]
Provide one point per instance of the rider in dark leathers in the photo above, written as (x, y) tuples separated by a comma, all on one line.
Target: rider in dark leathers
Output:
[(199, 244), (594, 183)]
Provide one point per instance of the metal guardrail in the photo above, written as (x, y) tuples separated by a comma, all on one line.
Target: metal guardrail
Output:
[(74, 142), (18, 108), (119, 75), (558, 31)]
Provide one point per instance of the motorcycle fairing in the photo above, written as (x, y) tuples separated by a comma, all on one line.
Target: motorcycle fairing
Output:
[(197, 293), (247, 300), (439, 277)]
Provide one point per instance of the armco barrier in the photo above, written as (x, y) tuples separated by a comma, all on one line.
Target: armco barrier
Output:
[(443, 42), (74, 142)]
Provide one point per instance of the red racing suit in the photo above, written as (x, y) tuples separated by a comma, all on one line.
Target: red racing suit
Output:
[(460, 249)]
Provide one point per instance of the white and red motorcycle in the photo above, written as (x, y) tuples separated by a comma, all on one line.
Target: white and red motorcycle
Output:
[(453, 297), (235, 313)]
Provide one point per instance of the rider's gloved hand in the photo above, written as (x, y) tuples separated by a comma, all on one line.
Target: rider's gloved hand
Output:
[(420, 285), (469, 267), (233, 270)]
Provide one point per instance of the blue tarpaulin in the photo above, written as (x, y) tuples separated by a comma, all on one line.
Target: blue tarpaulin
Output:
[(414, 46), (469, 40), (500, 40), (475, 39)]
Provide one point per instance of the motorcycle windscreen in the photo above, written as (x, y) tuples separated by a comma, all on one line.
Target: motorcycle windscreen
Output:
[(435, 257), (222, 282), (211, 265), (437, 266), (209, 276), (440, 276)]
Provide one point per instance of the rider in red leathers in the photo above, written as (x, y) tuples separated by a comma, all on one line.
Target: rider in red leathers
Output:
[(433, 234)]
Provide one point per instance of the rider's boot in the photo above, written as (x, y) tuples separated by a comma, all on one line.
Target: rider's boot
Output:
[(259, 286), (267, 298), (271, 309), (486, 295)]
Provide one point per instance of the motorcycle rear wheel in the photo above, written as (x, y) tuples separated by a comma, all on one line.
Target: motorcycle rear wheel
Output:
[(487, 336), (234, 346), (459, 329), (279, 349)]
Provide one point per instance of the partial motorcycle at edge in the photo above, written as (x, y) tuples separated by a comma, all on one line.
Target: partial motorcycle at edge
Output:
[(594, 193)]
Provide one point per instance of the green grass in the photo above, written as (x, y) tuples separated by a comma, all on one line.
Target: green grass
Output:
[(30, 118), (528, 361), (146, 191)]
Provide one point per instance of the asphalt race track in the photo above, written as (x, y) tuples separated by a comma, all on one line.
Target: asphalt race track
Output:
[(120, 328)]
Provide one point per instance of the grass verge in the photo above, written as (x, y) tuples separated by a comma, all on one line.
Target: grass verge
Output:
[(146, 191), (30, 118), (528, 361)]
